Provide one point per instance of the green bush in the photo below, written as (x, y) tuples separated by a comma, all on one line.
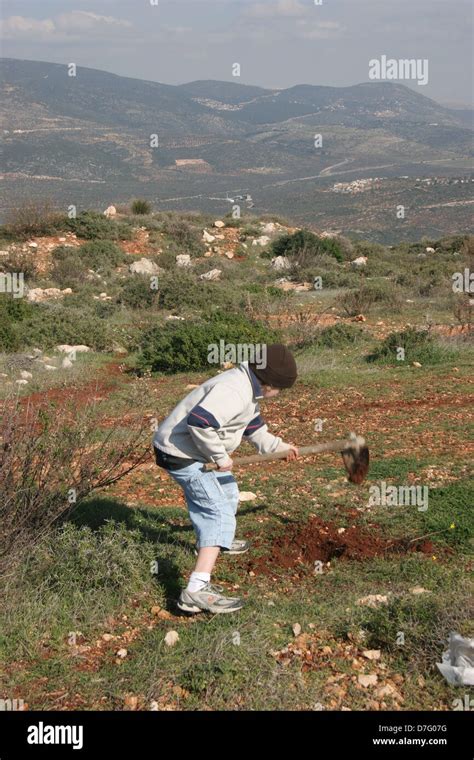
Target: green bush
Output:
[(137, 293), (338, 335), (101, 255), (184, 346), (141, 207), (181, 290), (93, 226), (53, 323), (304, 246), (183, 237), (360, 301), (12, 312), (419, 345), (68, 270), (34, 219)]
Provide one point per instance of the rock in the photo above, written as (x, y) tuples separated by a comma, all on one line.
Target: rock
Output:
[(107, 636), (174, 317), (416, 364), (66, 363), (229, 254), (372, 600), (269, 228), (296, 628), (64, 348), (32, 245), (21, 382), (190, 386), (421, 256), (371, 654), (26, 375), (38, 295), (214, 274), (359, 318), (263, 240), (219, 224), (171, 638), (419, 590), (155, 610), (430, 250), (207, 237), (361, 261), (122, 653), (280, 262), (144, 266), (61, 240), (50, 367), (110, 211), (183, 260), (388, 691), (2, 374), (367, 680), (247, 496)]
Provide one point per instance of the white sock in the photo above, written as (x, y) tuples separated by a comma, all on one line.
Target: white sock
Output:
[(197, 581)]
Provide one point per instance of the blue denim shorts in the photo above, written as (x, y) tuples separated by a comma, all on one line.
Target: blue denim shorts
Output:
[(212, 499)]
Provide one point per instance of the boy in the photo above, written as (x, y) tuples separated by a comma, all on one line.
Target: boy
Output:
[(207, 426)]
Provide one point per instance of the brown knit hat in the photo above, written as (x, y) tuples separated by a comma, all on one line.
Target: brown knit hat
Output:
[(280, 371)]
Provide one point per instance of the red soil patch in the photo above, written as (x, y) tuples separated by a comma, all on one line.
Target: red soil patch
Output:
[(81, 394), (302, 545)]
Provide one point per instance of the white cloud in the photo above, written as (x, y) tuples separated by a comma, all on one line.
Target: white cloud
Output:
[(289, 8), (73, 23)]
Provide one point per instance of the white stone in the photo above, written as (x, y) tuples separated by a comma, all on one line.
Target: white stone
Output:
[(49, 367), (430, 250), (33, 245), (171, 638), (110, 211), (66, 363), (219, 224), (280, 263), (144, 266), (247, 496), (21, 382), (26, 375), (268, 228), (65, 348), (183, 260), (214, 274), (361, 261), (207, 237), (262, 240)]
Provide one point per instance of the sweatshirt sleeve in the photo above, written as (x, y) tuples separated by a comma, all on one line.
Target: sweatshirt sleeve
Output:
[(221, 404), (258, 435)]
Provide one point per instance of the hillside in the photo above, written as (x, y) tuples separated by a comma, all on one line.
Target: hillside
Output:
[(87, 138)]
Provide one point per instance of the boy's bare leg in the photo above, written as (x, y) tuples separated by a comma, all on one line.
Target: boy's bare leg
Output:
[(207, 558)]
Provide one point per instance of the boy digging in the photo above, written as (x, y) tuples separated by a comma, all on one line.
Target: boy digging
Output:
[(207, 426)]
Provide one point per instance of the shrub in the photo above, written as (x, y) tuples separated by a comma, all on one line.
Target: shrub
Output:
[(101, 255), (93, 226), (53, 323), (37, 471), (180, 290), (338, 335), (140, 207), (304, 246), (360, 301), (20, 261), (183, 237), (137, 293), (419, 345), (33, 219), (12, 312), (184, 346), (68, 271)]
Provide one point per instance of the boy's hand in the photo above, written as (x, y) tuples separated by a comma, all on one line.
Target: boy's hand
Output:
[(226, 466), (293, 452)]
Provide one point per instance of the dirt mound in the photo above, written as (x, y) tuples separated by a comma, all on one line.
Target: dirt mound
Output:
[(303, 545)]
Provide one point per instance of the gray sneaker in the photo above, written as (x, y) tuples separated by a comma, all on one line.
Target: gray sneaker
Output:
[(208, 599), (237, 547)]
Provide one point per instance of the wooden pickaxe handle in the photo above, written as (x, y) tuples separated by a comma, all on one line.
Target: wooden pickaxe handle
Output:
[(319, 448)]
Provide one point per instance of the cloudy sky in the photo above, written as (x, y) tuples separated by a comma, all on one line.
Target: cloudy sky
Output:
[(278, 43)]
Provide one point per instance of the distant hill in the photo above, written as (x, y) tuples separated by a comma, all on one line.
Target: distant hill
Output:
[(88, 138)]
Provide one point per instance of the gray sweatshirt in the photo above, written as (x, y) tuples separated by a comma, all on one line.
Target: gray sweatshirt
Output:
[(210, 422)]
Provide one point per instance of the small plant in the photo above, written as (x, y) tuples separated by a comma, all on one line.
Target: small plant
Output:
[(101, 255), (360, 301), (137, 293), (417, 345), (140, 207), (304, 247), (93, 226), (34, 219)]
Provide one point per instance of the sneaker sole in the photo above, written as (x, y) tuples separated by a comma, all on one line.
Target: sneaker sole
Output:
[(194, 609), (228, 551)]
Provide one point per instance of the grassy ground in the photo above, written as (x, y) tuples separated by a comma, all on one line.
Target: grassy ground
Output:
[(84, 618)]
